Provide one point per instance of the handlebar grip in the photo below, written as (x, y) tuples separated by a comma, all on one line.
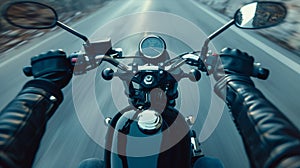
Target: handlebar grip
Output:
[(27, 70), (260, 72)]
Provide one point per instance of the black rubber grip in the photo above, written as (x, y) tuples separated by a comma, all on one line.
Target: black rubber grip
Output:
[(259, 72)]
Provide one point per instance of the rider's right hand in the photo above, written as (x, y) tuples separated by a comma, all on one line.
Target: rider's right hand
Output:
[(52, 65), (233, 62), (234, 65)]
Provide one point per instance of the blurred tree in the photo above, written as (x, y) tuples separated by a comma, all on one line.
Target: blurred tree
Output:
[(3, 24)]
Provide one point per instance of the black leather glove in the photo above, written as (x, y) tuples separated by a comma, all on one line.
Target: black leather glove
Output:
[(52, 65), (234, 62), (233, 65)]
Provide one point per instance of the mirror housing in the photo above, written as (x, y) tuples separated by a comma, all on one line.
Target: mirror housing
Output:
[(257, 15), (30, 15)]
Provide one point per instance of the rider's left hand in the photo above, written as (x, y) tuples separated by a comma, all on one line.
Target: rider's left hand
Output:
[(52, 65)]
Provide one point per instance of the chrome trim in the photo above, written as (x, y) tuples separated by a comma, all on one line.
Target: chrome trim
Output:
[(149, 121), (152, 36)]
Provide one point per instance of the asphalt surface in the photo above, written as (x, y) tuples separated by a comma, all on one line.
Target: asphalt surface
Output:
[(68, 141)]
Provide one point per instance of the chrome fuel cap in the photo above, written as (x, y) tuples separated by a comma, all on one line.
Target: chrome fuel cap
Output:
[(149, 121)]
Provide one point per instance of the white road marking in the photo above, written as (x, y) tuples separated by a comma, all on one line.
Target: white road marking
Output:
[(275, 54)]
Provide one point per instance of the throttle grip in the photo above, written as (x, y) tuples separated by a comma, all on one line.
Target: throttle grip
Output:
[(260, 72)]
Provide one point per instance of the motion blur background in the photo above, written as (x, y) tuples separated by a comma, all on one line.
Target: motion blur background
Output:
[(287, 34), (66, 142)]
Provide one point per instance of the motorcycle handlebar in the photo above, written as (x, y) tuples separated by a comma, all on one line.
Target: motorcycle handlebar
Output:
[(84, 65), (260, 72)]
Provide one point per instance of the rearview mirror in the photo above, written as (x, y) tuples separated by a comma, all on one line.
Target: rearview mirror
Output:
[(258, 15), (30, 15)]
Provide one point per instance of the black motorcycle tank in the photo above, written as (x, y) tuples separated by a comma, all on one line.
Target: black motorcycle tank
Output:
[(132, 147)]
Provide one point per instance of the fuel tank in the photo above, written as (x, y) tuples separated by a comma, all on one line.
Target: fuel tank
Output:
[(148, 139)]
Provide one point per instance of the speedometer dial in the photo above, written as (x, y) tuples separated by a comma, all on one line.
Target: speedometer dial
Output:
[(152, 46)]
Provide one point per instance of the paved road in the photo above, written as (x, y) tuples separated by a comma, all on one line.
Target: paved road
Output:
[(67, 142)]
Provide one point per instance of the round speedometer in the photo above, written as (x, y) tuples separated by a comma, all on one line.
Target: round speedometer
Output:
[(152, 46)]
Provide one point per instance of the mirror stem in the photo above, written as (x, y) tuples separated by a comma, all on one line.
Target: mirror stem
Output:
[(220, 30), (204, 49), (76, 33)]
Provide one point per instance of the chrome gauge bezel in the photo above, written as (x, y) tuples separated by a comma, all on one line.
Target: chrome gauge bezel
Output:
[(162, 42)]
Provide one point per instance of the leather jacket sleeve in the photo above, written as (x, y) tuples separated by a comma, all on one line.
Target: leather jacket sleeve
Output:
[(23, 122), (270, 139)]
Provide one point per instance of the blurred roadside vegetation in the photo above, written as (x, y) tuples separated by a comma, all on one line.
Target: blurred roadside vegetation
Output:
[(67, 10)]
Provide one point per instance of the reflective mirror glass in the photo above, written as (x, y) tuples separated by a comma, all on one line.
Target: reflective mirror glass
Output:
[(30, 15), (258, 15)]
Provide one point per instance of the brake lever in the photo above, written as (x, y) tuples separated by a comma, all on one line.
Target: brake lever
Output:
[(192, 59)]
